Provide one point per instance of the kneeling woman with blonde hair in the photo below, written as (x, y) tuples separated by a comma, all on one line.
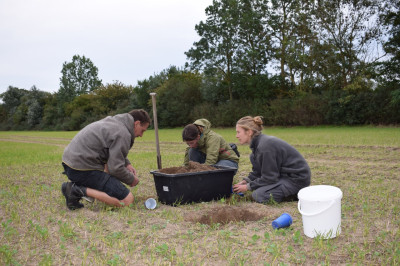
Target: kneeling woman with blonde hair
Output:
[(279, 170)]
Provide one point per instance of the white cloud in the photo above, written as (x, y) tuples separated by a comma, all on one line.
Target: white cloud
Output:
[(128, 40)]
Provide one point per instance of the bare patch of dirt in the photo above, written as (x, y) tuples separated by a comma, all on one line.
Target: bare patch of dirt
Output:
[(224, 215), (192, 167)]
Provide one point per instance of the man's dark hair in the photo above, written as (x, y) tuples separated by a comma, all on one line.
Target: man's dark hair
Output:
[(140, 115), (190, 132)]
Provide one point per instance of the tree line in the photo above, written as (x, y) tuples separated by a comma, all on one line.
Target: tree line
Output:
[(294, 62)]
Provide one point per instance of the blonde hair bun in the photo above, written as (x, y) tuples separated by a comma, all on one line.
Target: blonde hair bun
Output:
[(258, 120)]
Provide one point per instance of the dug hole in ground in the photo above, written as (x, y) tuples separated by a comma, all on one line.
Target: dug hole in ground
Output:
[(218, 214)]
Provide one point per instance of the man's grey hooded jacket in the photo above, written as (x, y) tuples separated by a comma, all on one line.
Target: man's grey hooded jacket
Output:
[(106, 141)]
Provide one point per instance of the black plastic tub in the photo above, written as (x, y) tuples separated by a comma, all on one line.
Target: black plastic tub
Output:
[(175, 189)]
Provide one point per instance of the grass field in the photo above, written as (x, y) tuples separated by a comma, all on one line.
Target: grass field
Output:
[(36, 228)]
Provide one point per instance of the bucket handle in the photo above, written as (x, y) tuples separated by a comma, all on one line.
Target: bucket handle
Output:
[(315, 213)]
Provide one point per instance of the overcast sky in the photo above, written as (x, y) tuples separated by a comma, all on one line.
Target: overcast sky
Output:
[(127, 40)]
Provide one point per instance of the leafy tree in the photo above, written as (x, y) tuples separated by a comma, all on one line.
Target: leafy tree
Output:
[(78, 77), (234, 43), (141, 97), (391, 68), (35, 102), (24, 108), (254, 38), (80, 112), (302, 45), (280, 20), (3, 116), (34, 114), (261, 88), (14, 107), (350, 30), (50, 119), (216, 51), (19, 117), (176, 98), (392, 46), (112, 96), (12, 99)]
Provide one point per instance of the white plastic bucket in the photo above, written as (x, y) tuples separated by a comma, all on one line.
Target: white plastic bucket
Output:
[(320, 207)]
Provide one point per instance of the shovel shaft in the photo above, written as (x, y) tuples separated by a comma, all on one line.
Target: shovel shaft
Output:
[(153, 100)]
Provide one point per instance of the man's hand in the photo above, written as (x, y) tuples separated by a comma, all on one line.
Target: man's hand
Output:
[(135, 182), (133, 171)]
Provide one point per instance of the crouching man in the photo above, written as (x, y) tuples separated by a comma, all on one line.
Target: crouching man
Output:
[(96, 160)]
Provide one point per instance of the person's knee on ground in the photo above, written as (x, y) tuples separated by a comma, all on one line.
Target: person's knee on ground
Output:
[(128, 200), (273, 197), (291, 198), (267, 197)]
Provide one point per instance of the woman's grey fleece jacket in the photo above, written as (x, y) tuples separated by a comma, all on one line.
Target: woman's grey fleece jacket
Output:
[(273, 159), (106, 141)]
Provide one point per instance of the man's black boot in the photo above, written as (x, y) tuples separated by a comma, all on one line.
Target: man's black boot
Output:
[(81, 191), (72, 195)]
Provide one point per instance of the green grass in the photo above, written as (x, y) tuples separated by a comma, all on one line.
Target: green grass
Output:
[(13, 153), (37, 228)]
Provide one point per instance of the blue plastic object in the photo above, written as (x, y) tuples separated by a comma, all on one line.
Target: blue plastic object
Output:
[(239, 193)]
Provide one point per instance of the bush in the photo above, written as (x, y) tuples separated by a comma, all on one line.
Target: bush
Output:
[(303, 109), (349, 108), (228, 113)]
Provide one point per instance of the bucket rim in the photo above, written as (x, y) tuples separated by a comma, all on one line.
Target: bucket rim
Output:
[(320, 193)]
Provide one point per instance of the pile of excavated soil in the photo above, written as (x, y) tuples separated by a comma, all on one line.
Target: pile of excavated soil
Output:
[(224, 215), (192, 167)]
